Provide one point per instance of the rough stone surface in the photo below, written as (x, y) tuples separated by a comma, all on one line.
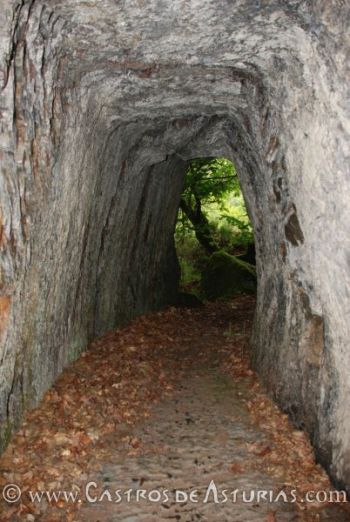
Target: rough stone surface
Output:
[(188, 448), (101, 103)]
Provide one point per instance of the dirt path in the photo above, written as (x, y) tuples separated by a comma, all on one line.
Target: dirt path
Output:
[(164, 420)]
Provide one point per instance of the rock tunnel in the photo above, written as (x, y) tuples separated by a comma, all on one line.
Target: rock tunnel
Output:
[(102, 103)]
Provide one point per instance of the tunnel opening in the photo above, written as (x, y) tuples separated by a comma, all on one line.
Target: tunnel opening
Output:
[(213, 235)]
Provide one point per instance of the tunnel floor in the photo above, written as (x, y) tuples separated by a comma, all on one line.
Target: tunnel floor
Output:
[(164, 420)]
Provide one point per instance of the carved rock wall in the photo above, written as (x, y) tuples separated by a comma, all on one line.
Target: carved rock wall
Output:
[(101, 105)]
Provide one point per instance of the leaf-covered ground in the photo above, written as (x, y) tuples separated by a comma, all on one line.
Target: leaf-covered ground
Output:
[(153, 404)]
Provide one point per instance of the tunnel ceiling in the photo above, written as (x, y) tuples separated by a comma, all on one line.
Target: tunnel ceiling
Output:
[(184, 57), (102, 104)]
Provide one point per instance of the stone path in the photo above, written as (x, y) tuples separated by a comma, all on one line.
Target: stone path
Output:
[(191, 460), (191, 440)]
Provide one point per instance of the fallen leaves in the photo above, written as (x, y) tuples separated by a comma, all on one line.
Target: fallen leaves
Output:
[(260, 449), (236, 468), (285, 453), (86, 417), (110, 387)]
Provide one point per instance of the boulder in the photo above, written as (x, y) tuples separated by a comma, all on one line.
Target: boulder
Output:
[(226, 276)]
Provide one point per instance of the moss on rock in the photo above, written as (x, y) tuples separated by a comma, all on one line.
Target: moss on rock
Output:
[(226, 276)]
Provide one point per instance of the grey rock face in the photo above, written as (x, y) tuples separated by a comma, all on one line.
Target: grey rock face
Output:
[(102, 102)]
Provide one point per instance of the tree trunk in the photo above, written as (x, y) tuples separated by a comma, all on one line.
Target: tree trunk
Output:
[(200, 225)]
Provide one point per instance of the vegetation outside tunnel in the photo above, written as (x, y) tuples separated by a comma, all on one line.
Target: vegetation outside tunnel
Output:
[(213, 236)]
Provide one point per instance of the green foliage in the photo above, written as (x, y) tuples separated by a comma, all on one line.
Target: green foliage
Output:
[(213, 200), (214, 183), (210, 179), (192, 259)]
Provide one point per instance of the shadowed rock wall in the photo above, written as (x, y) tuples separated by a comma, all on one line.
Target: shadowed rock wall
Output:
[(101, 105)]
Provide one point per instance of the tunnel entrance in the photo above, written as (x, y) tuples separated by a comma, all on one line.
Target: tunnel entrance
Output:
[(213, 235), (102, 105)]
